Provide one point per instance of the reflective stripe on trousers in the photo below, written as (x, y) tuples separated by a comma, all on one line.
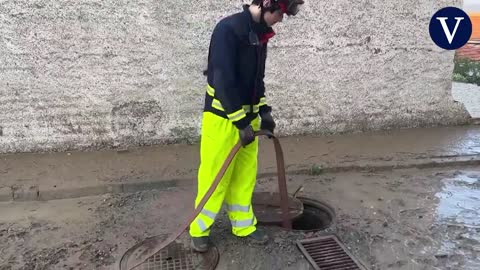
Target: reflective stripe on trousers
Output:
[(200, 223), (243, 223), (237, 207)]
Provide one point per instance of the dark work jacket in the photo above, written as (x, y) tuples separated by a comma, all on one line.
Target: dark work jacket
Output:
[(236, 69)]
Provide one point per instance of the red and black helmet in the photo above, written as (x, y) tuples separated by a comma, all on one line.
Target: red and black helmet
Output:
[(289, 7)]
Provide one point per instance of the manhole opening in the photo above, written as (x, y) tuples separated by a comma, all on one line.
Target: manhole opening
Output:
[(307, 214), (316, 216)]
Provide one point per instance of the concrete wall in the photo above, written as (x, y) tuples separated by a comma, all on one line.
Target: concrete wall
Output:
[(103, 73)]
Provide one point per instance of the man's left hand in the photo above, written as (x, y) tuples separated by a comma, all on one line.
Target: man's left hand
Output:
[(267, 122)]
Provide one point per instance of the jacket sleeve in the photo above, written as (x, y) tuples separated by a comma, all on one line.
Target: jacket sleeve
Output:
[(224, 47), (264, 108)]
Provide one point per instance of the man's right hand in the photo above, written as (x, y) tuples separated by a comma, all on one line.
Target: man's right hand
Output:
[(247, 135)]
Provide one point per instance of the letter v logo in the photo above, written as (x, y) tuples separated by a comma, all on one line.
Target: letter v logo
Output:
[(449, 35), (450, 28)]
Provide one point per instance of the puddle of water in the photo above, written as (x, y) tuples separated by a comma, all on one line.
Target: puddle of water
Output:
[(470, 178), (459, 209), (459, 201)]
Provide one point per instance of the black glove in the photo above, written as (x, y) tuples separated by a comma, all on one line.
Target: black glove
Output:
[(247, 135), (267, 122)]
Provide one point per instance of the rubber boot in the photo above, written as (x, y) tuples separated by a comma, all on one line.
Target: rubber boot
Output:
[(201, 244), (258, 237)]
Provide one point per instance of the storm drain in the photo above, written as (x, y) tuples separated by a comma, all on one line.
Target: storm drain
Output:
[(174, 257), (328, 253)]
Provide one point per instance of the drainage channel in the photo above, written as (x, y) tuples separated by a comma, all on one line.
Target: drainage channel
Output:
[(328, 253)]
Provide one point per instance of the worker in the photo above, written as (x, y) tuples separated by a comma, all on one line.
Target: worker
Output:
[(234, 101)]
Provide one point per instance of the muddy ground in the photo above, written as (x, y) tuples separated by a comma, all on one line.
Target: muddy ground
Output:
[(403, 219)]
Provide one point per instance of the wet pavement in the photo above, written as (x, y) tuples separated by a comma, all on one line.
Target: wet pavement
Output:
[(469, 95), (66, 175), (398, 219)]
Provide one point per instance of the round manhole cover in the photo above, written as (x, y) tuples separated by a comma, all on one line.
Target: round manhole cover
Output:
[(176, 256), (267, 210)]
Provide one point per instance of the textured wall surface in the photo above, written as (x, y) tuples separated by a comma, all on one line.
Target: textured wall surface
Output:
[(103, 73)]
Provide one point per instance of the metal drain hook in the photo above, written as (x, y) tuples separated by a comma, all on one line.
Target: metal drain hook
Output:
[(299, 190)]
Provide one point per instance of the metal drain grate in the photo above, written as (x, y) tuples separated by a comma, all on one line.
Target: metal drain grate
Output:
[(176, 256), (328, 253)]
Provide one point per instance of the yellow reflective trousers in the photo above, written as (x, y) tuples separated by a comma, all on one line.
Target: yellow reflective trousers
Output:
[(218, 137)]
